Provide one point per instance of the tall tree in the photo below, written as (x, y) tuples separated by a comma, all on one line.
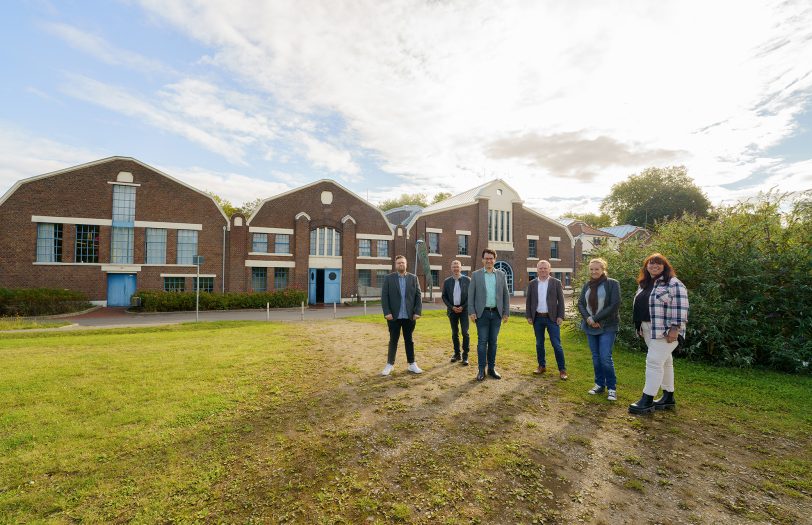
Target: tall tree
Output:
[(596, 220), (656, 194), (416, 199), (228, 208), (441, 196)]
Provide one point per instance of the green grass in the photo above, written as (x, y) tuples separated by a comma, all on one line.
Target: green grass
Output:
[(18, 323)]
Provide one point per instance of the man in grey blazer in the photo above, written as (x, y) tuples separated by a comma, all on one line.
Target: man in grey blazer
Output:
[(455, 297), (402, 303), (488, 307), (545, 311)]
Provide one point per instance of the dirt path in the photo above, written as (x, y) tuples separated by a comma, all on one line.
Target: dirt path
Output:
[(355, 447)]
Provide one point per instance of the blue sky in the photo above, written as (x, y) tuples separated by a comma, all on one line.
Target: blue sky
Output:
[(561, 100)]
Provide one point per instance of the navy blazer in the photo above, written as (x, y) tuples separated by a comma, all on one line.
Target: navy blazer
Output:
[(390, 296), (555, 299), (448, 292)]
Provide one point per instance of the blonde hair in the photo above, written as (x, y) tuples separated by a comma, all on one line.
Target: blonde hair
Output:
[(603, 264)]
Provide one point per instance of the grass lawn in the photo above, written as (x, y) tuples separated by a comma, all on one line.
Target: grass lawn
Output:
[(290, 422), (18, 323)]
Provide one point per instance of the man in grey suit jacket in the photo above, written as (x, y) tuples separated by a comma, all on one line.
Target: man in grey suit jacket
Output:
[(402, 303), (488, 307), (545, 311), (455, 297)]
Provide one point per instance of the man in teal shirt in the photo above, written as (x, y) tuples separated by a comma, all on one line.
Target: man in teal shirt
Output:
[(489, 307)]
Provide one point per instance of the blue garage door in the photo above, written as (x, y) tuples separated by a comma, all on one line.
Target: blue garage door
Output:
[(120, 287), (332, 285)]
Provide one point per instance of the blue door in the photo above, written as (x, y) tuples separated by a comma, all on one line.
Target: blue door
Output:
[(332, 285), (311, 289), (120, 287)]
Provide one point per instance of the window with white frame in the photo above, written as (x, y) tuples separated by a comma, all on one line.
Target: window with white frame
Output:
[(121, 245), (259, 279), (383, 248), (380, 275), (532, 248), (280, 278), (123, 203), (435, 278), (281, 243), (259, 242), (434, 242), (325, 241), (462, 245), (365, 278), (553, 249), (500, 227), (49, 242), (155, 245), (206, 284), (87, 243), (174, 284), (187, 246), (364, 248)]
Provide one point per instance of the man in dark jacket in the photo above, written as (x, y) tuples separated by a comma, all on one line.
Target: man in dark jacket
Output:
[(545, 311), (402, 303), (455, 297)]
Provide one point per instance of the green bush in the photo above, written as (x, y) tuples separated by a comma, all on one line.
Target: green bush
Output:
[(30, 302), (185, 301), (748, 271)]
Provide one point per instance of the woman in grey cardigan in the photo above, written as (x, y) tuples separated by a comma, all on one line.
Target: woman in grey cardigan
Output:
[(599, 305)]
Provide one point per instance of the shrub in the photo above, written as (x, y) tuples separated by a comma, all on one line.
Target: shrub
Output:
[(29, 302), (185, 301), (748, 271)]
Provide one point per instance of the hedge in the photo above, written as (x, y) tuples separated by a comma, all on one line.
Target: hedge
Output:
[(30, 302), (185, 301)]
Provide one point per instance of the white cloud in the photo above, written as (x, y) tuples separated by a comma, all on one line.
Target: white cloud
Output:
[(233, 187)]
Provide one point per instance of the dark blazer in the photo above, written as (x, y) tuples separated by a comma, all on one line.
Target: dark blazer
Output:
[(477, 294), (555, 299), (609, 315), (390, 295), (448, 292)]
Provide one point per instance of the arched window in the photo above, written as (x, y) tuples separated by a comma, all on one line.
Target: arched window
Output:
[(325, 241)]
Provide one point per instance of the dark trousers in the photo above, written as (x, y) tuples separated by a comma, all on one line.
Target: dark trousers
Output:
[(487, 331), (460, 322), (395, 326), (540, 324)]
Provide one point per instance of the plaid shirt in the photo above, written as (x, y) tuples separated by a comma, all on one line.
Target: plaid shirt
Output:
[(667, 306)]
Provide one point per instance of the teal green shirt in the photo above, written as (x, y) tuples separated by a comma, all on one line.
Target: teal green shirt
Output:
[(490, 289)]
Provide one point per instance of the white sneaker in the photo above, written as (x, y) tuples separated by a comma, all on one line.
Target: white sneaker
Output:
[(612, 395), (413, 368), (595, 390), (387, 369)]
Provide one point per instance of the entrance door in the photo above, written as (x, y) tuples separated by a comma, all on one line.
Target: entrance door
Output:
[(311, 289), (120, 288), (332, 285), (505, 267)]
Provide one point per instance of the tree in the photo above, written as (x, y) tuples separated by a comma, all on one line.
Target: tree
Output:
[(416, 199), (596, 220), (656, 194), (443, 195), (225, 204), (249, 207)]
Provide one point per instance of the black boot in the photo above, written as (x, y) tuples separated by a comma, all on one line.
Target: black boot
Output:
[(465, 359), (455, 357), (644, 406), (665, 402)]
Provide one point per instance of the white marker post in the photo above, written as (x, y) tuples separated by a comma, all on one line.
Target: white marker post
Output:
[(198, 260), (268, 312), (334, 310), (365, 306), (302, 310)]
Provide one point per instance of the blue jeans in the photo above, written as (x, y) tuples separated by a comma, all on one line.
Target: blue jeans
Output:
[(545, 323), (487, 330), (601, 346)]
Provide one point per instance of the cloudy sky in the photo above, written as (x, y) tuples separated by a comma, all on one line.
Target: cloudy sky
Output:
[(559, 99)]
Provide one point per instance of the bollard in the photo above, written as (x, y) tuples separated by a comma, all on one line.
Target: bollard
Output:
[(334, 310), (365, 306), (267, 311), (302, 310)]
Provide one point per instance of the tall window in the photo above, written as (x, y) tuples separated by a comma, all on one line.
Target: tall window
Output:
[(507, 229), (187, 246), (364, 248), (559, 276), (121, 245), (123, 203), (174, 284), (156, 246), (87, 243), (206, 284), (462, 245), (259, 279), (280, 278), (281, 243), (532, 248), (380, 275), (532, 275), (553, 249), (434, 242), (383, 248), (365, 278), (259, 242), (501, 226), (49, 242), (435, 278), (325, 241), (568, 279), (490, 225)]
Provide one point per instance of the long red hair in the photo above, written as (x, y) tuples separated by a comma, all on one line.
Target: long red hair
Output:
[(644, 279)]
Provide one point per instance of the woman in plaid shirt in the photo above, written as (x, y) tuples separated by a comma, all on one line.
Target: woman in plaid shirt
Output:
[(660, 315)]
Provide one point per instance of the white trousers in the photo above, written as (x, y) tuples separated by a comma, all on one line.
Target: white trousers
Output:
[(659, 364)]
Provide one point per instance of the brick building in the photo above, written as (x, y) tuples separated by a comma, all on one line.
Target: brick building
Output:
[(107, 228)]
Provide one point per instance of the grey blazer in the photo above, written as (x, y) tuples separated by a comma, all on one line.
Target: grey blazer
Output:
[(477, 293), (390, 295), (555, 299), (609, 315)]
